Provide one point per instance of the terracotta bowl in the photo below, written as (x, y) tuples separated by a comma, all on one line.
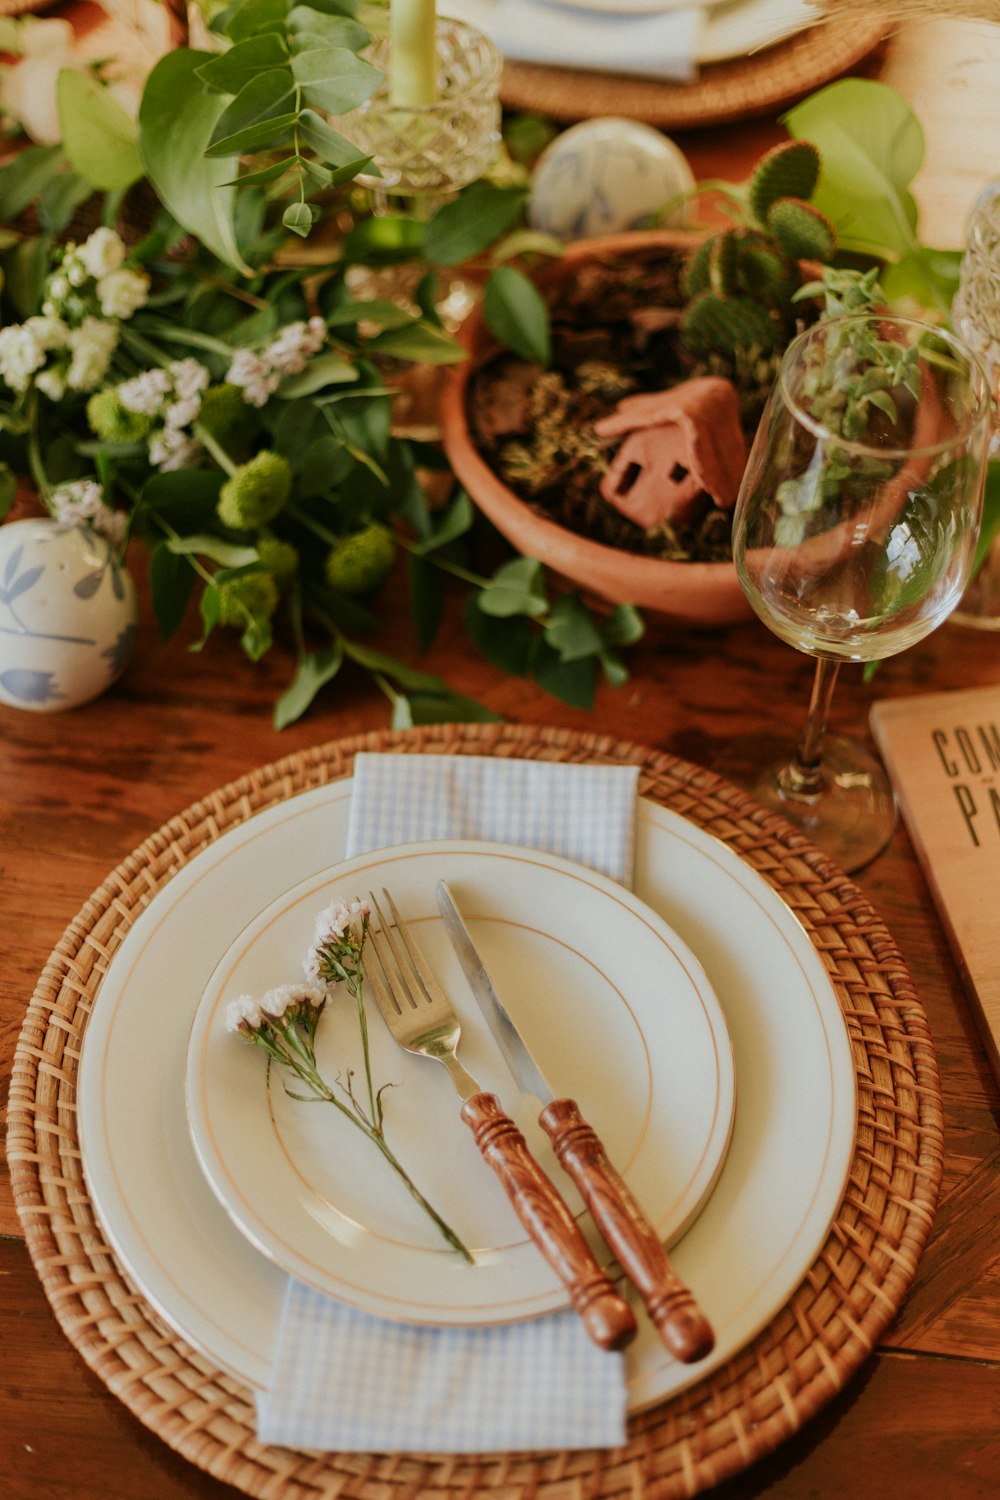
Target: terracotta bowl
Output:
[(697, 593)]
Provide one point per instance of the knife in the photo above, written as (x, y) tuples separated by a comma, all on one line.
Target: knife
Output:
[(672, 1308)]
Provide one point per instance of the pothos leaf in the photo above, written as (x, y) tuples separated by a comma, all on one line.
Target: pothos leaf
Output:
[(177, 118), (515, 313)]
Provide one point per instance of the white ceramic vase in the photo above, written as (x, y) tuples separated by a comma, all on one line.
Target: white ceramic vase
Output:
[(67, 615)]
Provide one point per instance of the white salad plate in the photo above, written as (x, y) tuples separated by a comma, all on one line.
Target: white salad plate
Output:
[(619, 1013), (753, 1241)]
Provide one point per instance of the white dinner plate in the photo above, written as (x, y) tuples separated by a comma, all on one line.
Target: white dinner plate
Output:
[(755, 1238), (619, 1012), (737, 29), (641, 7)]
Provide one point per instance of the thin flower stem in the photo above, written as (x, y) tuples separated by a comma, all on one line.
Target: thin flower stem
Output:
[(442, 1224), (313, 1080)]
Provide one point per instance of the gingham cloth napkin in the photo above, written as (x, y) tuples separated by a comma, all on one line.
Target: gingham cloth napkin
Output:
[(349, 1382), (662, 45)]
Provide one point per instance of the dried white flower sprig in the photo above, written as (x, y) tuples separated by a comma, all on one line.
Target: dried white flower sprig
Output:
[(283, 1023)]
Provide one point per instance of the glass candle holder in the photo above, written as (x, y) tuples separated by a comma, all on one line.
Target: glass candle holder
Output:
[(976, 319), (426, 152)]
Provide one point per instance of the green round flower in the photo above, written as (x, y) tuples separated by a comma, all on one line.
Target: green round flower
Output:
[(224, 413), (255, 595), (256, 492), (359, 563), (280, 558), (114, 423)]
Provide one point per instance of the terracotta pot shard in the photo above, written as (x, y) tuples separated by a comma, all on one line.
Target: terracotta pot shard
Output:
[(680, 445)]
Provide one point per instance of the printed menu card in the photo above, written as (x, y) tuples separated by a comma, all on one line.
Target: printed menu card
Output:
[(942, 752)]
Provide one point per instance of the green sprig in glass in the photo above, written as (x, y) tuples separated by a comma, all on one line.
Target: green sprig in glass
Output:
[(285, 1021)]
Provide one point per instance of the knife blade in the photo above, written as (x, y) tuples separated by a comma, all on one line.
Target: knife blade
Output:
[(671, 1305)]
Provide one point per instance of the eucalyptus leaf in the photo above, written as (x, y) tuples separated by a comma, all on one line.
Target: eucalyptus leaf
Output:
[(229, 72), (330, 30), (263, 175), (334, 79), (314, 672), (571, 630), (506, 643), (177, 118), (262, 110), (516, 588), (249, 17), (329, 145), (614, 669), (470, 223), (299, 218), (516, 314), (99, 136), (572, 682)]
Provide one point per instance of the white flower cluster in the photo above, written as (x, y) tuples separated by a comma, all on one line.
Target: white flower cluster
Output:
[(173, 398), (341, 928), (100, 259), (81, 502), (259, 375), (92, 278), (248, 1014)]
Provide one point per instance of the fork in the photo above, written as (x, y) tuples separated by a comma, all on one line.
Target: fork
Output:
[(422, 1020)]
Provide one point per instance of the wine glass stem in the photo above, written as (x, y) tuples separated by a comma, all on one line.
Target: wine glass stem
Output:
[(803, 776)]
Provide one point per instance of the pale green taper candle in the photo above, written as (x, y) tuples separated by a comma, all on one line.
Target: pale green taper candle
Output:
[(413, 52)]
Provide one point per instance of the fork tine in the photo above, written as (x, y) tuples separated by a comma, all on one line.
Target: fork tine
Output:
[(378, 978), (410, 960)]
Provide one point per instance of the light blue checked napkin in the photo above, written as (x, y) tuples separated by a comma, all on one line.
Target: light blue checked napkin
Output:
[(349, 1382)]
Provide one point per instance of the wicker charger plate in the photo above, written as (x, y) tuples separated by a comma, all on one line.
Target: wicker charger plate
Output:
[(713, 1429), (737, 89)]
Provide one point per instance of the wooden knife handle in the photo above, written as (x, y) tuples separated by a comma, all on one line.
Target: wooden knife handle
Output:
[(606, 1315), (672, 1308)]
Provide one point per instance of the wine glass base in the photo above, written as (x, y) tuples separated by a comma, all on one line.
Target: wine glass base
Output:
[(851, 818)]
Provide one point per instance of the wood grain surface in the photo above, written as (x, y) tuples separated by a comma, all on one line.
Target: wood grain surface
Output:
[(79, 791)]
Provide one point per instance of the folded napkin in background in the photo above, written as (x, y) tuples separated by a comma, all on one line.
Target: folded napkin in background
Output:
[(664, 45), (350, 1382)]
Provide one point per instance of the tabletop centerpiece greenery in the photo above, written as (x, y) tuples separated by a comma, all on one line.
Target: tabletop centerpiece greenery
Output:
[(181, 343)]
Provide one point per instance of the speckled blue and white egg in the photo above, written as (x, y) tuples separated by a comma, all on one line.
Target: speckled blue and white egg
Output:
[(606, 175), (67, 615)]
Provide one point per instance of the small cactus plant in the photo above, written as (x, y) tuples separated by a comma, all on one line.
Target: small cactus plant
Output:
[(741, 282)]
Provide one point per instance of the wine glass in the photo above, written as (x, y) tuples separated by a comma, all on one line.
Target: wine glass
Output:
[(853, 537)]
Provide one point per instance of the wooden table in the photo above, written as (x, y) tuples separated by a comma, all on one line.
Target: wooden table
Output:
[(79, 791)]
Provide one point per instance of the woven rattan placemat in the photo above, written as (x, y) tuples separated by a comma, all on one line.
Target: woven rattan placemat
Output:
[(737, 89), (715, 1428)]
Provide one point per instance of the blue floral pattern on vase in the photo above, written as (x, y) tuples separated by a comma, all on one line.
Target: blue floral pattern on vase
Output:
[(67, 615)]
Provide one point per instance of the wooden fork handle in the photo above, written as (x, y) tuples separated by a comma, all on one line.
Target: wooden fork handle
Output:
[(606, 1315), (675, 1314)]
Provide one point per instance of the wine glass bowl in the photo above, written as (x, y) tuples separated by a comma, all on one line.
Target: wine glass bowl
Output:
[(853, 537)]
